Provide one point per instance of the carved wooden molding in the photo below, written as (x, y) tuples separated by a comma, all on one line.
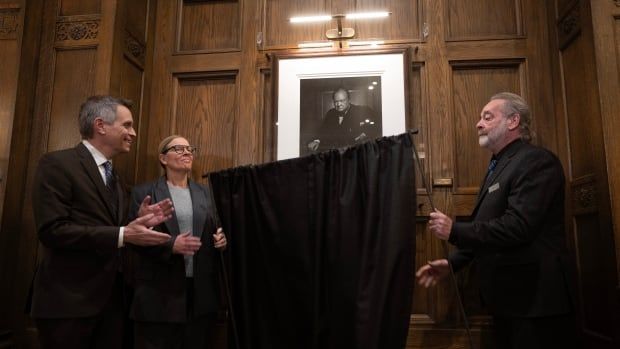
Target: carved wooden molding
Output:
[(617, 2), (569, 26), (584, 195), (9, 21), (134, 49), (77, 28)]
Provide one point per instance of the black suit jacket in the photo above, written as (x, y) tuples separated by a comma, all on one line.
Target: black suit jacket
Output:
[(517, 235), (353, 129), (78, 226), (159, 275)]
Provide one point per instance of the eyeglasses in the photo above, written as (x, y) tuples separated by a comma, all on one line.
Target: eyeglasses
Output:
[(180, 149)]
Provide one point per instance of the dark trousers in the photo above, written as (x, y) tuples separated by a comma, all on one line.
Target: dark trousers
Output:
[(104, 330), (536, 333), (195, 333)]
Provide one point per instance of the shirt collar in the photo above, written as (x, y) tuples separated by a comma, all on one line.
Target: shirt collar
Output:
[(97, 155)]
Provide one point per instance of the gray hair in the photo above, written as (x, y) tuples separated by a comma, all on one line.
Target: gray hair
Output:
[(103, 107), (515, 104)]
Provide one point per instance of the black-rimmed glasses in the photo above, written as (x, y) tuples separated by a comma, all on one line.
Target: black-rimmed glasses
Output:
[(180, 149)]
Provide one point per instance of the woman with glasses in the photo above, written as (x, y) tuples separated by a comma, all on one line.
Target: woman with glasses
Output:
[(175, 287)]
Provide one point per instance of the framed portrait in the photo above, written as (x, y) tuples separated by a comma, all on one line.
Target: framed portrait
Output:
[(326, 102)]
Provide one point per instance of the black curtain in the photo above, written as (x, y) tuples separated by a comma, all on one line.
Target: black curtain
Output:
[(321, 248)]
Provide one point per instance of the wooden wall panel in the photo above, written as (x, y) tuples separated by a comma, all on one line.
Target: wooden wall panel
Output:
[(579, 106), (70, 89), (483, 19), (423, 305), (206, 110), (586, 93), (11, 22), (402, 25), (131, 85), (209, 26), (79, 7), (137, 10), (278, 31), (472, 85)]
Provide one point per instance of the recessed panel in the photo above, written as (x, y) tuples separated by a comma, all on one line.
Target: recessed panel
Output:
[(209, 25), (73, 83), (473, 19), (578, 109), (280, 32), (79, 7), (402, 24), (206, 109), (472, 86), (131, 88), (137, 13)]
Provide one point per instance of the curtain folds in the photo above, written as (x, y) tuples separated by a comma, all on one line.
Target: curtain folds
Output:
[(321, 248)]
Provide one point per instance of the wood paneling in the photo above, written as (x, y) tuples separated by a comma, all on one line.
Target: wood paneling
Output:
[(472, 85), (206, 110), (11, 23), (279, 32), (79, 7), (483, 19), (131, 86), (404, 24), (583, 70), (209, 26), (137, 10), (70, 89)]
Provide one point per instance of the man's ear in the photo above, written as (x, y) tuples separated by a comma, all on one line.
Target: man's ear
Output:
[(513, 121), (99, 126)]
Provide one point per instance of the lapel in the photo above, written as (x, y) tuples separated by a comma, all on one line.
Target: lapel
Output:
[(89, 165), (161, 192), (501, 165), (119, 198), (200, 207)]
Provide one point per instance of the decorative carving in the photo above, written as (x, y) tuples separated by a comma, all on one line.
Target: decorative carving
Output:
[(77, 30), (569, 26), (584, 196), (9, 21), (134, 48), (617, 2)]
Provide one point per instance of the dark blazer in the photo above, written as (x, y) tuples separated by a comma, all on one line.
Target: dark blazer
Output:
[(353, 129), (159, 275), (78, 226), (517, 235)]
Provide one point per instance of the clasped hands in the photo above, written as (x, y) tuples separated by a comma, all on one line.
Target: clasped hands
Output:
[(187, 244)]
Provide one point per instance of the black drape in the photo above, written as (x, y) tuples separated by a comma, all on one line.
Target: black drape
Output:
[(321, 248)]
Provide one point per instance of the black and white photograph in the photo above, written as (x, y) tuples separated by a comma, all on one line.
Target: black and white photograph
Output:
[(338, 112)]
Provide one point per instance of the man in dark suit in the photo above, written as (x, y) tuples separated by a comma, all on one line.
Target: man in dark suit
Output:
[(346, 124), (517, 235), (79, 209)]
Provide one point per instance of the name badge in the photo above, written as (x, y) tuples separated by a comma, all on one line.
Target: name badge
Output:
[(494, 187)]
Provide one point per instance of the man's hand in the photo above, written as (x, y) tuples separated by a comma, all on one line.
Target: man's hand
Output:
[(433, 271), (138, 233), (440, 225), (219, 240), (163, 208), (186, 244)]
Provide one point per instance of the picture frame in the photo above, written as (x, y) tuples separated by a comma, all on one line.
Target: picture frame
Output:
[(301, 79)]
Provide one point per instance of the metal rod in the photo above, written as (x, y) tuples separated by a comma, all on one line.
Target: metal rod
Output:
[(443, 242), (231, 310)]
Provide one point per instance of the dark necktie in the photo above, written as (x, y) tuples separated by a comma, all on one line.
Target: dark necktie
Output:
[(492, 165), (107, 168)]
